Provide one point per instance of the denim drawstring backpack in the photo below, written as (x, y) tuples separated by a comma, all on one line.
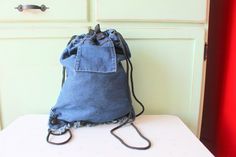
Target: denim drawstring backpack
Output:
[(95, 89)]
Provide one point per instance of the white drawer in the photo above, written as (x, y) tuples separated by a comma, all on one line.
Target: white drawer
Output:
[(152, 10), (63, 10)]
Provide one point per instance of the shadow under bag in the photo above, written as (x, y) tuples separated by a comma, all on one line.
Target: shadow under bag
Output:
[(96, 88)]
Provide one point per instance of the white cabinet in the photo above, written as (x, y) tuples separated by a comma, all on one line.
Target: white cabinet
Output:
[(152, 10), (58, 11), (166, 39)]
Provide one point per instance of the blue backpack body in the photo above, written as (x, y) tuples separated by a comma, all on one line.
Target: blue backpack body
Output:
[(96, 88)]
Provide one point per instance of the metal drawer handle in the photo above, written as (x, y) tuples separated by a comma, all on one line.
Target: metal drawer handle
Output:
[(29, 6)]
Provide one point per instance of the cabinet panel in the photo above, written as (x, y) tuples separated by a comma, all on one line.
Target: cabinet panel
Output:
[(168, 66), (152, 10), (63, 10), (30, 71)]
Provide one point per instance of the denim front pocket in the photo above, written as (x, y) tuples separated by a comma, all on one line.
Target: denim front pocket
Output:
[(96, 58)]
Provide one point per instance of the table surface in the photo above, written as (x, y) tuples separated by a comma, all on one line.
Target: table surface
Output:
[(26, 137)]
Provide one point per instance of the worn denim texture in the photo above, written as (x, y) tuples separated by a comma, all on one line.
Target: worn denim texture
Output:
[(96, 88)]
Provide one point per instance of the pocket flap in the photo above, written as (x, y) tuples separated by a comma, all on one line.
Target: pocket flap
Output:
[(96, 58)]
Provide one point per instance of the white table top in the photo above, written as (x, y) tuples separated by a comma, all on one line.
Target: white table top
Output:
[(26, 137)]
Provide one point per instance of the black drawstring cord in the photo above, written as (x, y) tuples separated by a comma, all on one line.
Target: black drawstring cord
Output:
[(63, 75), (59, 143), (128, 62), (140, 134), (125, 48), (67, 130), (132, 88)]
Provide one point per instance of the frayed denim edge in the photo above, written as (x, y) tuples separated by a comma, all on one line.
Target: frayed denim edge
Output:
[(79, 124)]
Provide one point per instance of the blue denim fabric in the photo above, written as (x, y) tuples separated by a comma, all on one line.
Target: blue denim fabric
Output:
[(96, 89)]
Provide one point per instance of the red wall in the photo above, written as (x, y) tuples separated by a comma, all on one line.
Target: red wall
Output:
[(219, 115), (226, 136)]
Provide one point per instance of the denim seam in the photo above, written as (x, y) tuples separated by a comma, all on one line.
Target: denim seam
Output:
[(113, 57), (77, 58)]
